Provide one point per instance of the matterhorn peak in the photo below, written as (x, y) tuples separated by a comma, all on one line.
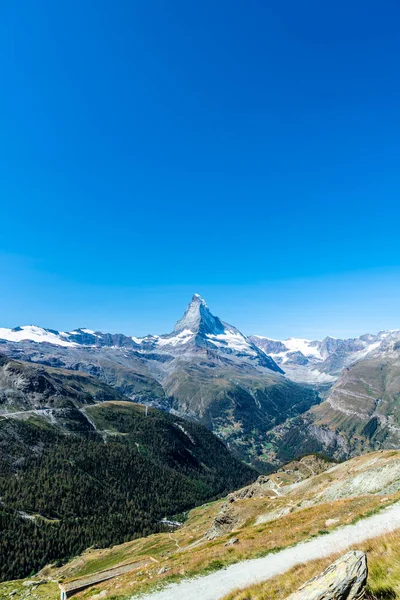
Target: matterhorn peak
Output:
[(198, 318), (198, 299)]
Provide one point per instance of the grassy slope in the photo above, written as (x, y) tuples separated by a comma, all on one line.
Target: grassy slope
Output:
[(383, 580)]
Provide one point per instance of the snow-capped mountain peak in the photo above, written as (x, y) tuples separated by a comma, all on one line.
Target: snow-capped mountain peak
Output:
[(198, 319)]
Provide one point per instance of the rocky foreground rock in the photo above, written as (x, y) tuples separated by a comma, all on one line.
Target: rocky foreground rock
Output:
[(344, 579)]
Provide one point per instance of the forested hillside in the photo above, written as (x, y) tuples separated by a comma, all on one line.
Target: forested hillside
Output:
[(62, 493)]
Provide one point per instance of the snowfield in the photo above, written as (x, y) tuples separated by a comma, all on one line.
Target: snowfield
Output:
[(231, 339), (34, 334)]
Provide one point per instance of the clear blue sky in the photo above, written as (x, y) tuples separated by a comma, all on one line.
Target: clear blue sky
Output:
[(245, 150)]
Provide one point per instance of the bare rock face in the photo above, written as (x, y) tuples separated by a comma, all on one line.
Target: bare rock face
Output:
[(344, 579)]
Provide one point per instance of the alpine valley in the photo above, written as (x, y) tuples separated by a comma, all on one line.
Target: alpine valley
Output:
[(269, 400), (105, 437)]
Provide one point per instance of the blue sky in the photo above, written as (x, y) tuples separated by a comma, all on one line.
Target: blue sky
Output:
[(248, 151)]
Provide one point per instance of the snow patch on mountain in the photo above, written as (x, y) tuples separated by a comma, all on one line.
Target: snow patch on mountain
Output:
[(282, 350), (305, 374), (368, 350), (181, 338), (232, 339), (34, 334), (306, 347)]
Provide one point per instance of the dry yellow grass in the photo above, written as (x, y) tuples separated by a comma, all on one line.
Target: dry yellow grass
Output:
[(383, 581)]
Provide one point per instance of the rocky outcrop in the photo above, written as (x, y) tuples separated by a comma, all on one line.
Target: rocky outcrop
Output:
[(344, 579), (226, 521), (231, 516), (272, 486), (264, 486)]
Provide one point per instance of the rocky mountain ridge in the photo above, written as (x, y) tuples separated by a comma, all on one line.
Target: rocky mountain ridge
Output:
[(360, 413), (197, 328)]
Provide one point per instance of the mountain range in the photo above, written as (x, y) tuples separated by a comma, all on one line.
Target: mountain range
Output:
[(359, 381), (205, 370), (321, 361), (86, 452), (302, 360), (268, 399)]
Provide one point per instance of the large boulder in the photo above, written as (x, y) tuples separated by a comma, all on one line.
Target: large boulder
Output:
[(344, 579)]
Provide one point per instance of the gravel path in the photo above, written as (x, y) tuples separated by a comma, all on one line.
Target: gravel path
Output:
[(249, 572)]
